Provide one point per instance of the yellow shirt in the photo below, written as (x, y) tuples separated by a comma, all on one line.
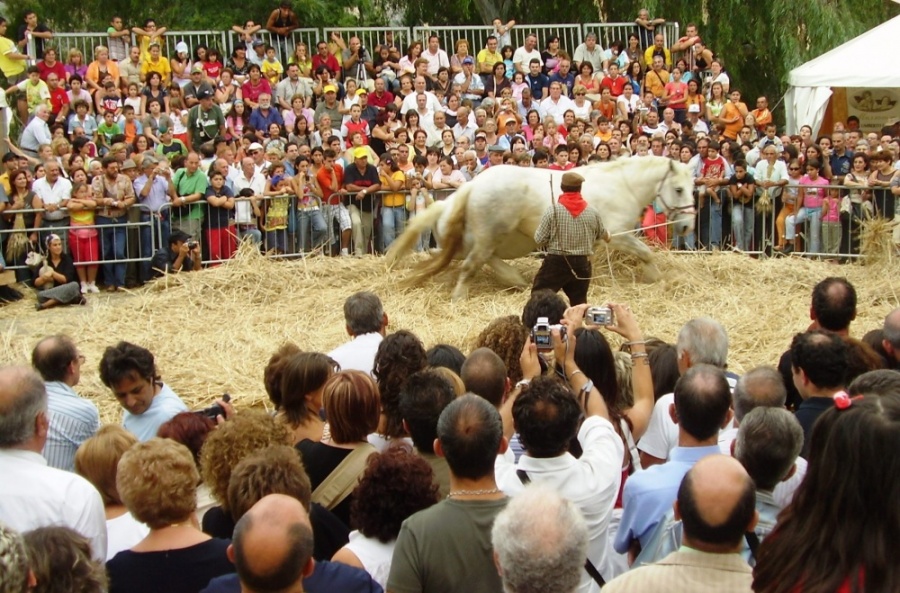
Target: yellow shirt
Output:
[(272, 69), (394, 199), (162, 66), (9, 66), (486, 57)]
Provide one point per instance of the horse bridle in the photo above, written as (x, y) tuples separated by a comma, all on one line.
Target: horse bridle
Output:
[(670, 209)]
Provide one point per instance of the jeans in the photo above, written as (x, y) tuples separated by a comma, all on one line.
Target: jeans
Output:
[(742, 218), (112, 247), (310, 220), (147, 247), (710, 218), (813, 218), (253, 233), (393, 221)]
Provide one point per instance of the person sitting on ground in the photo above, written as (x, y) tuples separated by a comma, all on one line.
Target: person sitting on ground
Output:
[(395, 485), (130, 372), (60, 561), (56, 279), (97, 461), (175, 556), (177, 257)]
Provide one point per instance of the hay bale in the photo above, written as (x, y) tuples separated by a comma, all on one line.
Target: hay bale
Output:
[(213, 331)]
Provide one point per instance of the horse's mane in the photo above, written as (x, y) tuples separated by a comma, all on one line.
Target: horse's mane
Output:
[(623, 163)]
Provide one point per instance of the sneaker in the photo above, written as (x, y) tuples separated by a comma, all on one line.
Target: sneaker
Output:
[(92, 287), (345, 252), (85, 288)]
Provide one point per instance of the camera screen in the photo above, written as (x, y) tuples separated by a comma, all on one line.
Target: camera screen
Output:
[(542, 339)]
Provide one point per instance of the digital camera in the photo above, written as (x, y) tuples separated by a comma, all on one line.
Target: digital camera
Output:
[(192, 244), (540, 334), (214, 410), (599, 315)]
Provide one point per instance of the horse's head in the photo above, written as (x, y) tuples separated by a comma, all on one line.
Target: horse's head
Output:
[(676, 196)]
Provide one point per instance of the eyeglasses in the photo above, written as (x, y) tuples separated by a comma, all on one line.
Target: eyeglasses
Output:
[(793, 168), (580, 94)]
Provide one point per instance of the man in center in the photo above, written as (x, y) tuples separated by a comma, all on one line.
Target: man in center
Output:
[(569, 231)]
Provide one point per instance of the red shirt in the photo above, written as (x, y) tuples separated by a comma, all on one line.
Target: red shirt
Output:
[(382, 101), (57, 68), (616, 87), (58, 98), (330, 62), (323, 176), (252, 93), (212, 69)]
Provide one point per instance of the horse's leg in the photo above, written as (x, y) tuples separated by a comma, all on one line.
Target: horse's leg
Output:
[(631, 244), (470, 266), (507, 274)]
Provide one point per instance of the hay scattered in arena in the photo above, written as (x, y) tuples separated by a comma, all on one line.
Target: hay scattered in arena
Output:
[(876, 241), (213, 331)]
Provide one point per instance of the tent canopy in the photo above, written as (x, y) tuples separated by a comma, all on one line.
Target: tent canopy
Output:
[(853, 64)]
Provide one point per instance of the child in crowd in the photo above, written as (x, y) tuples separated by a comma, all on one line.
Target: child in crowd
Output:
[(278, 189), (417, 201), (271, 68), (831, 221), (106, 131), (220, 235), (84, 243), (129, 124), (562, 163)]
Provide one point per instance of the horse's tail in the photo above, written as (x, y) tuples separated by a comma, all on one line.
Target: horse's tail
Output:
[(414, 229), (451, 240)]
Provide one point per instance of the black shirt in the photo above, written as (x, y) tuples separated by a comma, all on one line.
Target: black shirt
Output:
[(807, 414), (187, 570), (66, 267), (366, 179), (320, 460), (164, 258), (330, 534), (217, 216)]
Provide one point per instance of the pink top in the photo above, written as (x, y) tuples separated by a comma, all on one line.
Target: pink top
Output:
[(813, 196), (834, 210)]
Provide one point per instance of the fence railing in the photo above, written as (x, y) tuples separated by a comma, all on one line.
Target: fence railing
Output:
[(571, 35)]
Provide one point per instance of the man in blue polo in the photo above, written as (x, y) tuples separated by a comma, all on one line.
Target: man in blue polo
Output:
[(702, 407)]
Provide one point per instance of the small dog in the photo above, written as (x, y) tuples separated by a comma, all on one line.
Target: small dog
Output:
[(35, 259)]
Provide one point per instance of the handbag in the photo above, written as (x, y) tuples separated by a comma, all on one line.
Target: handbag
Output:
[(342, 480)]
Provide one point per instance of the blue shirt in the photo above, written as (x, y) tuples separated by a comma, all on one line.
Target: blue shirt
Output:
[(163, 407), (73, 420), (537, 84), (568, 81), (261, 121), (649, 494), (326, 576)]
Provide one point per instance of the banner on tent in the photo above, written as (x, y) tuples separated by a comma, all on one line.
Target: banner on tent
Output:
[(874, 107)]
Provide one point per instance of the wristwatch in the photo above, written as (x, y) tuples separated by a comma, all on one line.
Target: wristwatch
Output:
[(523, 383)]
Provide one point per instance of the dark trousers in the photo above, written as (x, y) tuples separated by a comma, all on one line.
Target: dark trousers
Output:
[(569, 273)]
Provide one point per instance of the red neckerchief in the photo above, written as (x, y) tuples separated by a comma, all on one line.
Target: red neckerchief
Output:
[(573, 202)]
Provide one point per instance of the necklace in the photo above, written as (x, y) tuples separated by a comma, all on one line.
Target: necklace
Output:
[(472, 492)]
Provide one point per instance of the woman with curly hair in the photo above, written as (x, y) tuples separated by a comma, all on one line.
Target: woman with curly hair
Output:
[(191, 429), (60, 559), (506, 336), (335, 463), (399, 355), (158, 484), (395, 485), (225, 447), (840, 530), (303, 378)]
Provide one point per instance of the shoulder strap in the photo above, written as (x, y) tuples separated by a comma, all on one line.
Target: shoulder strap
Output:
[(343, 479), (752, 542), (588, 565)]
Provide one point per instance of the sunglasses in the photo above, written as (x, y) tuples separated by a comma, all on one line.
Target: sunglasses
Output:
[(793, 168)]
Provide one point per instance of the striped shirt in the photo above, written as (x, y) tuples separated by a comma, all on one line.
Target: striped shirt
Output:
[(73, 420), (564, 234)]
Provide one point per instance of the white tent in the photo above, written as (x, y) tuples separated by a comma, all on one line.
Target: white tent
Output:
[(853, 64)]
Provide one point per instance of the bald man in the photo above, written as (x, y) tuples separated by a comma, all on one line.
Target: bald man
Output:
[(716, 505), (272, 546)]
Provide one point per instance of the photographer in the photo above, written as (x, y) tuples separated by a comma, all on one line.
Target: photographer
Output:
[(182, 255), (569, 230), (358, 64)]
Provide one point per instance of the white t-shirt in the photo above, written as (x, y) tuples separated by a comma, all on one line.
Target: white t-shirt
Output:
[(374, 555), (523, 57), (124, 532)]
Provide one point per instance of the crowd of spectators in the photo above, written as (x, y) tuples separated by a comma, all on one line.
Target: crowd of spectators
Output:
[(339, 145), (384, 466)]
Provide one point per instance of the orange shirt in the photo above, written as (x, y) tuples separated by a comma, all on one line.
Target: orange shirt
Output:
[(733, 129), (331, 183)]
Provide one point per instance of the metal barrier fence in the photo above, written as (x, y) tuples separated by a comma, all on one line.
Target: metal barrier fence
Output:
[(571, 35)]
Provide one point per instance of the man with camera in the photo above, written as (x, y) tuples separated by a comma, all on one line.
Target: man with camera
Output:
[(182, 255), (358, 63), (569, 230)]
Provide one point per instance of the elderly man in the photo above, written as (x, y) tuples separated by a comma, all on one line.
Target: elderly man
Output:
[(658, 49), (293, 86), (716, 505), (366, 322), (524, 55), (129, 371), (264, 116), (539, 540), (249, 187), (73, 419), (357, 62), (37, 132), (470, 84), (557, 103), (155, 190), (32, 494), (592, 52), (52, 194), (361, 185), (205, 121), (419, 86), (447, 547)]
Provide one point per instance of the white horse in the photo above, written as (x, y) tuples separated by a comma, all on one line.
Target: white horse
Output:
[(494, 216)]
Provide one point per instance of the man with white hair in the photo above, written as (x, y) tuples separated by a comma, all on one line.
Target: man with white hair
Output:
[(37, 131), (32, 494), (700, 341), (539, 541)]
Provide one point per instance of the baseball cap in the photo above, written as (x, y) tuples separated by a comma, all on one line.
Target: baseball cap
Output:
[(329, 88), (360, 152), (468, 60), (694, 108), (483, 136), (163, 129), (254, 146), (362, 92), (258, 42), (198, 67), (129, 164), (205, 94)]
